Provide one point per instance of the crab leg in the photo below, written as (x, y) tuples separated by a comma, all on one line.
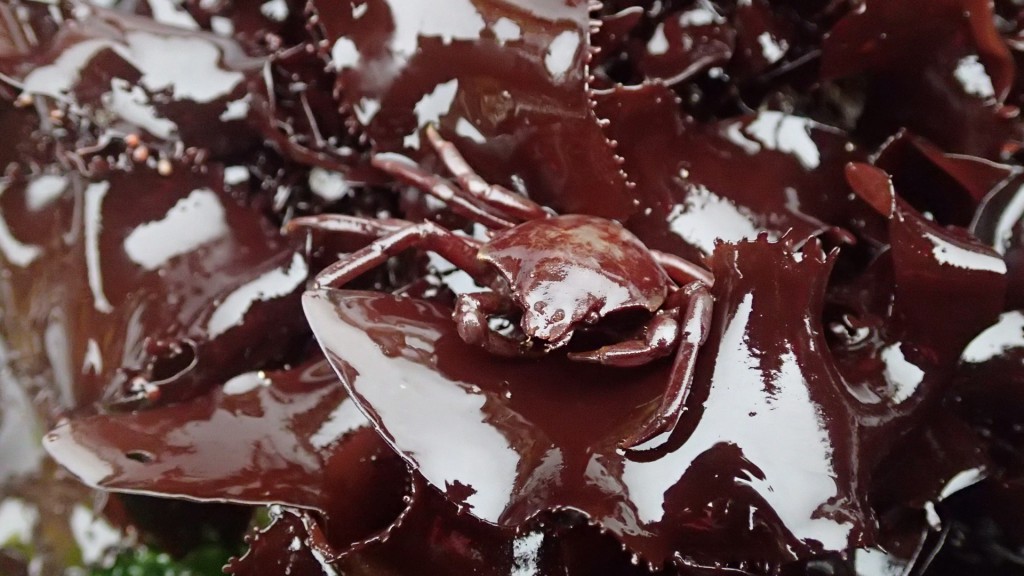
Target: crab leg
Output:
[(427, 235), (471, 314), (505, 202), (694, 320), (405, 170), (682, 271), (341, 224)]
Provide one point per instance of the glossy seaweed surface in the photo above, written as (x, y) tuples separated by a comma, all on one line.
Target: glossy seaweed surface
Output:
[(514, 287)]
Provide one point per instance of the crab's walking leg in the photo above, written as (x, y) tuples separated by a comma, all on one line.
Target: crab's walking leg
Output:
[(682, 271), (695, 320), (471, 315), (340, 224), (405, 170), (681, 326), (395, 238), (503, 201)]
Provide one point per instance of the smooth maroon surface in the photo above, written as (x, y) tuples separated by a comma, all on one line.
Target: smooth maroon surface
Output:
[(700, 183), (290, 437), (939, 68), (142, 287)]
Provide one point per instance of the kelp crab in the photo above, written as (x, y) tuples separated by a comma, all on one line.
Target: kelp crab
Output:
[(770, 410), (558, 274), (510, 441)]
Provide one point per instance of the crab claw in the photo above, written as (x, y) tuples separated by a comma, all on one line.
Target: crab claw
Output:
[(662, 333), (553, 331), (694, 324)]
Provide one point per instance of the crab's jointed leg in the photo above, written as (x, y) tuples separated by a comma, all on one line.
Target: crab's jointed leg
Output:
[(471, 315), (392, 238), (681, 270), (405, 170), (342, 225), (504, 202), (694, 303)]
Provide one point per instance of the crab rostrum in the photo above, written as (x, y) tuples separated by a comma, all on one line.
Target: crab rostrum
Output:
[(558, 275)]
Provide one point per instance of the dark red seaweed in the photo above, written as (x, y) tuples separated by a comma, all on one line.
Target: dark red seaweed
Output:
[(746, 299)]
